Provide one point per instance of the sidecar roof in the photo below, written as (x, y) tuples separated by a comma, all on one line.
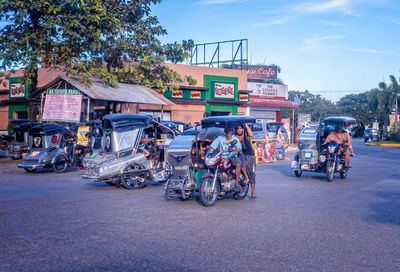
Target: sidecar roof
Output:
[(49, 129), (338, 120), (227, 121), (126, 121)]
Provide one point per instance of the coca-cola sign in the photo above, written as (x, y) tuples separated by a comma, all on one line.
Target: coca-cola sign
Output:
[(259, 71), (224, 90), (17, 90)]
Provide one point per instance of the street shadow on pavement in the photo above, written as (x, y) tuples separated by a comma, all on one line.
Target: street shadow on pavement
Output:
[(386, 210)]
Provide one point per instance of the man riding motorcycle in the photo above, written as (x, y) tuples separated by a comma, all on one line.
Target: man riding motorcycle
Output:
[(224, 143), (340, 136)]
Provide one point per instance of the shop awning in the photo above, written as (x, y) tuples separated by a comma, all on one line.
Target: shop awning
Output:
[(99, 90), (274, 103)]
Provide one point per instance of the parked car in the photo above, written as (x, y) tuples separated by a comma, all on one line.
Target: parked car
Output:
[(260, 130), (371, 134)]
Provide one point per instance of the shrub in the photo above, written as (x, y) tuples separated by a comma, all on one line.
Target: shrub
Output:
[(395, 136)]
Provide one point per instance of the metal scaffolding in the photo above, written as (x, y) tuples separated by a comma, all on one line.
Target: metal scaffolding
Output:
[(230, 53)]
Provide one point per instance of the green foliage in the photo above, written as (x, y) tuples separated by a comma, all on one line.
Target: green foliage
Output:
[(315, 105), (395, 136), (86, 39), (190, 80), (357, 106), (178, 52)]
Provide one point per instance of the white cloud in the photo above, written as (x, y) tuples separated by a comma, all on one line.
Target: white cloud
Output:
[(218, 2), (371, 51), (331, 23), (272, 22), (317, 42), (344, 6)]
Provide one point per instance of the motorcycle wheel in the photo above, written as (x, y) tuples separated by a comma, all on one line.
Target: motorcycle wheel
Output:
[(132, 181), (330, 170), (298, 173), (245, 190), (60, 164), (343, 174), (30, 170), (207, 197), (169, 193)]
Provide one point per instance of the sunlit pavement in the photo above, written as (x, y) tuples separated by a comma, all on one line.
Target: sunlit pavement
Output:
[(60, 222)]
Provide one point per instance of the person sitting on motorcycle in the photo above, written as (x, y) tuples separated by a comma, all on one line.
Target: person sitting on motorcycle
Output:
[(223, 143), (340, 136)]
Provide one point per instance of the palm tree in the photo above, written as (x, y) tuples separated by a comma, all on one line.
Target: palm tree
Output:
[(379, 102), (393, 101)]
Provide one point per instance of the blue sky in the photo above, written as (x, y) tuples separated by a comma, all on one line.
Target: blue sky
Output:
[(330, 47)]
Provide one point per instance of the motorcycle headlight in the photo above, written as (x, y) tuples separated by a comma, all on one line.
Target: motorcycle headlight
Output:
[(322, 158), (331, 149)]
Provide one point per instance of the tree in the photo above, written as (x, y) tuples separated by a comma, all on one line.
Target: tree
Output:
[(358, 107), (178, 52), (315, 105), (85, 39)]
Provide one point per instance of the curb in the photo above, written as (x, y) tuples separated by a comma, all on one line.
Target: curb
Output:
[(384, 145)]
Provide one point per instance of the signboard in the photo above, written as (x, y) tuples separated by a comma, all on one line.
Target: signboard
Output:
[(259, 71), (82, 139), (17, 90), (268, 90), (304, 119), (62, 105), (224, 90), (244, 98), (195, 95), (177, 94)]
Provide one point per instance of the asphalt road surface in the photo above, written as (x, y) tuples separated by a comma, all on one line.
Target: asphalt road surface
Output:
[(60, 222)]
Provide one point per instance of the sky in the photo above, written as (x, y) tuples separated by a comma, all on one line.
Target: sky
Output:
[(329, 47)]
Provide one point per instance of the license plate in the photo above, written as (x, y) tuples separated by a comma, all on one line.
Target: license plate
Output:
[(94, 155), (305, 167), (184, 167), (34, 153), (307, 155), (294, 164)]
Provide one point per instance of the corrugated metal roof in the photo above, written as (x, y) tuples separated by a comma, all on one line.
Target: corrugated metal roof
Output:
[(128, 93)]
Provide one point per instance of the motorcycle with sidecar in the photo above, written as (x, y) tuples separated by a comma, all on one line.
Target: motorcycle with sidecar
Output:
[(133, 148), (188, 159), (50, 147), (315, 156), (20, 132)]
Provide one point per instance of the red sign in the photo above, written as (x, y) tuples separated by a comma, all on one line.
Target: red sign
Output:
[(224, 90), (259, 71), (195, 95), (244, 98), (177, 94), (17, 90)]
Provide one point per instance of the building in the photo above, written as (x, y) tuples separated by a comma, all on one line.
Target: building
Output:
[(216, 92)]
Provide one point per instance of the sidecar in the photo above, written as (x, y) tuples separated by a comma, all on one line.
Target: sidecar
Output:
[(132, 151)]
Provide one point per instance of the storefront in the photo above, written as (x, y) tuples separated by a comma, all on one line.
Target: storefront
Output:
[(217, 92), (65, 99)]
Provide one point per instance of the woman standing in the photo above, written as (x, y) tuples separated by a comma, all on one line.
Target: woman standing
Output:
[(248, 158)]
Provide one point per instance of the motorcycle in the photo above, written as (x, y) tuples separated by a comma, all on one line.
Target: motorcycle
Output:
[(334, 162), (220, 181)]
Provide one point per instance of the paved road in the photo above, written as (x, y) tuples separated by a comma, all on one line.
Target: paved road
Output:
[(51, 222)]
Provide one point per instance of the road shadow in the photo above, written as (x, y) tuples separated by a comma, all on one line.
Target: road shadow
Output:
[(387, 211)]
